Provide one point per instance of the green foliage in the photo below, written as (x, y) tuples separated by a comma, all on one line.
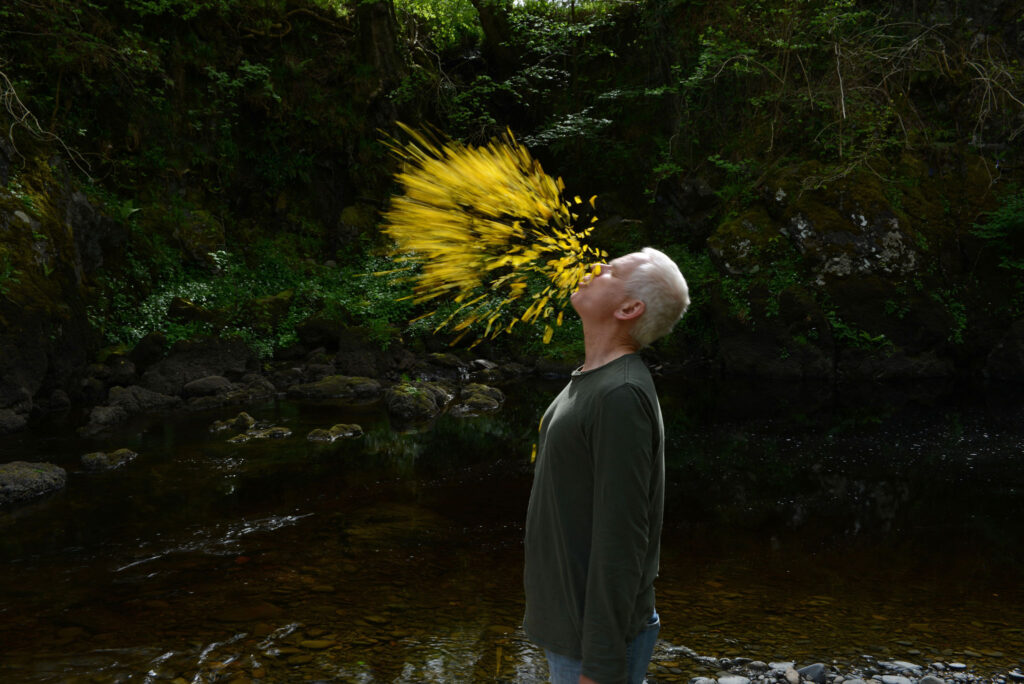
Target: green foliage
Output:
[(1003, 231), (8, 274), (449, 24)]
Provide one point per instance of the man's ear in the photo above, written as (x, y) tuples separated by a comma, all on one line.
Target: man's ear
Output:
[(630, 309)]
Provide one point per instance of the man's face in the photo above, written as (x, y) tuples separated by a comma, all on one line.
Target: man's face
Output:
[(603, 290)]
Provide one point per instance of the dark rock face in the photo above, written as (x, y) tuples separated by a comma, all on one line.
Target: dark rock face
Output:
[(1006, 361), (337, 387), (21, 481), (192, 360)]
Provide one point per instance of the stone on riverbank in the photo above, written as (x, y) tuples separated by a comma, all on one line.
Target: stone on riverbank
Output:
[(475, 399), (22, 481), (99, 460), (136, 399), (11, 421), (335, 432), (243, 421), (813, 673), (417, 401), (102, 418), (337, 387)]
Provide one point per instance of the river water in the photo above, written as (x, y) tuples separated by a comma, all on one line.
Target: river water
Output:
[(803, 524)]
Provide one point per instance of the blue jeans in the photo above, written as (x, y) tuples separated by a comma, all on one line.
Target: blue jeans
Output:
[(564, 670)]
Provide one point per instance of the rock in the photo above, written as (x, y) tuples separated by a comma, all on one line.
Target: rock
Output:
[(317, 644), (733, 679), (956, 667), (475, 399), (930, 679), (243, 421), (194, 359), (905, 666), (337, 387), (813, 673), (702, 680), (792, 676), (211, 384), (99, 460), (1015, 675), (59, 400), (417, 401), (335, 432), (895, 679), (22, 481), (103, 418), (781, 666), (149, 350), (121, 371), (136, 399), (758, 665), (276, 432), (10, 421)]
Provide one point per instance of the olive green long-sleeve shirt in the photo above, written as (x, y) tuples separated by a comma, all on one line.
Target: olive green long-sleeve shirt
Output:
[(593, 527)]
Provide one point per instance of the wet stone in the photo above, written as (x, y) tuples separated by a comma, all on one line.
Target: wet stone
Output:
[(317, 644), (813, 673), (733, 679), (930, 679), (956, 667), (895, 679)]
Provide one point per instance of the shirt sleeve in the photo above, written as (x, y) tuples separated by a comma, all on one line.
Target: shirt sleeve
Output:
[(622, 446)]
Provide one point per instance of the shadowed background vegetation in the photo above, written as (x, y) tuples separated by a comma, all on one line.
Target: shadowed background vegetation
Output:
[(839, 179)]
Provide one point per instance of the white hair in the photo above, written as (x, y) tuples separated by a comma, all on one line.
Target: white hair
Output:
[(658, 283)]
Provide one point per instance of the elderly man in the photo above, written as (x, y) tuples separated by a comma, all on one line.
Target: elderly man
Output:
[(593, 527)]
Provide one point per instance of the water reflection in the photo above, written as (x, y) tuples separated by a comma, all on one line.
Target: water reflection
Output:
[(801, 525)]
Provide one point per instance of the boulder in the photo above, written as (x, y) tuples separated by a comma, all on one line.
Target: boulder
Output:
[(335, 432), (10, 421), (103, 418), (417, 401), (243, 421), (211, 384), (195, 359), (99, 460), (475, 399), (136, 399), (1006, 360), (337, 387), (22, 481)]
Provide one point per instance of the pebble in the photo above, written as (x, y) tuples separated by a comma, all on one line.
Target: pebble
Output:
[(813, 673), (792, 676), (957, 667), (733, 679), (781, 667), (904, 665), (895, 679), (930, 679), (1017, 675), (317, 644), (702, 680)]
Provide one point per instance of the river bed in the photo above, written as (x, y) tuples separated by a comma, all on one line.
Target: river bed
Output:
[(803, 524)]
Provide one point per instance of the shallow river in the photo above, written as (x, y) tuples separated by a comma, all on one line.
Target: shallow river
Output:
[(802, 524)]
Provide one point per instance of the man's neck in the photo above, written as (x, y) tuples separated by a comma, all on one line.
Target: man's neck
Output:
[(600, 350)]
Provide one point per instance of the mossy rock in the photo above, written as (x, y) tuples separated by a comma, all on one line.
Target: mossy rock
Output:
[(99, 460), (417, 401), (337, 387)]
